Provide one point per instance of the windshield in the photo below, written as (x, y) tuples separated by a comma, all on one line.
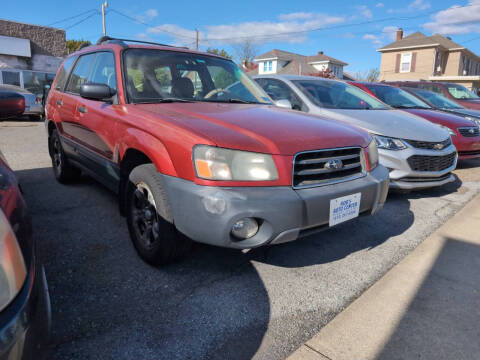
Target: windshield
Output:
[(338, 95), (159, 76), (397, 98), (435, 99), (461, 92)]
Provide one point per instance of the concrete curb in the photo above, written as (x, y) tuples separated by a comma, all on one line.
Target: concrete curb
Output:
[(381, 318)]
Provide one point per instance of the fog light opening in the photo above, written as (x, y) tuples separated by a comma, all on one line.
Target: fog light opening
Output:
[(245, 228)]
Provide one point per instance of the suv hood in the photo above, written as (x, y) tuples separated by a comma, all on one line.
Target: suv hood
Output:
[(469, 104), (442, 118), (391, 123), (258, 128)]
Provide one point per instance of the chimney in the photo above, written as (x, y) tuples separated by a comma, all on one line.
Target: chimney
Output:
[(320, 53), (399, 34)]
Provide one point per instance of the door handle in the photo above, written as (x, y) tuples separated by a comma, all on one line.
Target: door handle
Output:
[(59, 102), (82, 109)]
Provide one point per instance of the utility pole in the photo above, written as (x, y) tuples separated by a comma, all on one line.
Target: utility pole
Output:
[(104, 5), (196, 40)]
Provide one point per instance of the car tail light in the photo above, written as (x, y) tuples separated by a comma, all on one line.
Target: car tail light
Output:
[(13, 271)]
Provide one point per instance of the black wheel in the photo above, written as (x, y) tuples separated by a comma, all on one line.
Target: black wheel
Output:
[(63, 170), (149, 218)]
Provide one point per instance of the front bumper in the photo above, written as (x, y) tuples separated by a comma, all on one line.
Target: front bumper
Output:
[(467, 147), (206, 214), (403, 177), (25, 324)]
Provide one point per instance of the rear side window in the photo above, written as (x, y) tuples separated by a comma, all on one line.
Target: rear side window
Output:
[(103, 70), (80, 73), (11, 77), (63, 73)]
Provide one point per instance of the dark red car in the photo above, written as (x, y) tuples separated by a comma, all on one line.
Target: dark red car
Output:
[(458, 93), (24, 301), (465, 133)]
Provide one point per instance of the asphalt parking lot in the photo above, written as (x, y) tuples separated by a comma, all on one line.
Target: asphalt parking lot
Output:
[(217, 303)]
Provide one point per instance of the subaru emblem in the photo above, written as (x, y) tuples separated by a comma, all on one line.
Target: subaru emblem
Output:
[(471, 131), (335, 164)]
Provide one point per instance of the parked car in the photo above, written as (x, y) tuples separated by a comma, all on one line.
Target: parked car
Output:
[(11, 104), (465, 133), (24, 300), (192, 160), (455, 92), (441, 103), (33, 103), (417, 153)]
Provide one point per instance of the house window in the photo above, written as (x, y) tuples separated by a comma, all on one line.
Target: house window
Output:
[(267, 66), (406, 62)]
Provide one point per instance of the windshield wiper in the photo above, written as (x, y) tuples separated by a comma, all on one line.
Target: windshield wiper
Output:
[(164, 100), (410, 107)]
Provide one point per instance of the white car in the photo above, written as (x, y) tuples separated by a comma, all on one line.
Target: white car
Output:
[(417, 153)]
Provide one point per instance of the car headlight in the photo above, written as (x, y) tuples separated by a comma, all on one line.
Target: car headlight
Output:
[(389, 143), (213, 163), (13, 271), (476, 121), (372, 152), (450, 131)]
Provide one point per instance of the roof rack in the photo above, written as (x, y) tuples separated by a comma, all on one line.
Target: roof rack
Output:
[(122, 42)]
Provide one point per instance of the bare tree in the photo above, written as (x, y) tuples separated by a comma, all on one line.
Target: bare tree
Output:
[(371, 75), (245, 51)]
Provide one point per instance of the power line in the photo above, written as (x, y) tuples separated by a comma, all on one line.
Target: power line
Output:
[(81, 21), (72, 17), (150, 25)]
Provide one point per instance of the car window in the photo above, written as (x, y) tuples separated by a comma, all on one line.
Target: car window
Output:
[(158, 75), (460, 92), (338, 95), (278, 90), (103, 70), (436, 100), (11, 77), (397, 98), (428, 87), (63, 73), (80, 73)]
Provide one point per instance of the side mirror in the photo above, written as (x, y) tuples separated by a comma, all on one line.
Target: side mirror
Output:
[(283, 103), (95, 91), (11, 104)]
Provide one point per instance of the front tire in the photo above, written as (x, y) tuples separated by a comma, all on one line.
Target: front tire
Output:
[(149, 218), (64, 172)]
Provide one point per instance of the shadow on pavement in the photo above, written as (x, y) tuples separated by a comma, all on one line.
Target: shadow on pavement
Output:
[(468, 164), (442, 320), (108, 304)]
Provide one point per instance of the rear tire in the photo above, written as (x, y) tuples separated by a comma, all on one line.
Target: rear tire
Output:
[(149, 218), (64, 172)]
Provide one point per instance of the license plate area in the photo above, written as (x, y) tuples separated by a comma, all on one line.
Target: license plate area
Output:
[(344, 208)]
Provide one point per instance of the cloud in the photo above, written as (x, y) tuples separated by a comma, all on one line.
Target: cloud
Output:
[(387, 34), (379, 5), (418, 5), (295, 24), (364, 11), (147, 15), (456, 20)]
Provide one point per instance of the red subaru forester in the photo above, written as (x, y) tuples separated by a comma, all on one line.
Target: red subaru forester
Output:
[(196, 150)]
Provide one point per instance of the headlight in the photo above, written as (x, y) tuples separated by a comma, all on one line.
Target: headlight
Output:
[(389, 143), (12, 266), (476, 121), (213, 163), (372, 152), (450, 131)]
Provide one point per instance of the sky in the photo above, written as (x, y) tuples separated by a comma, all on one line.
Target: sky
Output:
[(347, 30)]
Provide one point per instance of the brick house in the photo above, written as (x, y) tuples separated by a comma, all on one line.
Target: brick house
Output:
[(284, 62), (29, 54), (435, 58)]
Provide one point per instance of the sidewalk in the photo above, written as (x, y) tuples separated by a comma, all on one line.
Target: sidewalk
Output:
[(426, 307)]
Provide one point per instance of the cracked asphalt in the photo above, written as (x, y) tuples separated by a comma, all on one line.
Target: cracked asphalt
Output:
[(217, 303)]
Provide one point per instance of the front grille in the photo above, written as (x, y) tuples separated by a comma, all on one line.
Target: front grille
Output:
[(310, 169), (469, 131), (431, 163), (470, 152), (430, 145)]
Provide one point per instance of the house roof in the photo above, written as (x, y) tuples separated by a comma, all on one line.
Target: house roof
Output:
[(289, 56), (418, 39)]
